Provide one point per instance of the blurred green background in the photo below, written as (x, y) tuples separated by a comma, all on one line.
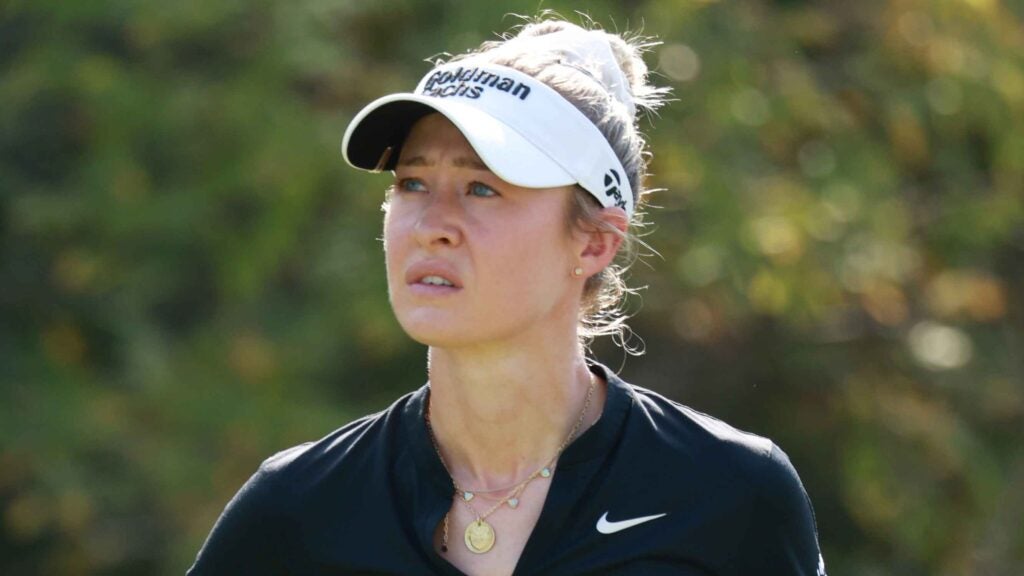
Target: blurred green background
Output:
[(191, 279)]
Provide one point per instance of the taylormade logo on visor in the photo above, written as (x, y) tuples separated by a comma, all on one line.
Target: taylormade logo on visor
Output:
[(471, 83)]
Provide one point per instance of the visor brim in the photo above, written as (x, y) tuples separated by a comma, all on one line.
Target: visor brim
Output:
[(387, 121)]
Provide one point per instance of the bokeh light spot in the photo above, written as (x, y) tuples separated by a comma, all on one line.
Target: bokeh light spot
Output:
[(778, 237), (939, 347), (768, 294), (701, 265), (679, 62)]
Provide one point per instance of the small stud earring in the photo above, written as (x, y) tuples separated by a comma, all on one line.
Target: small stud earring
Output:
[(577, 271)]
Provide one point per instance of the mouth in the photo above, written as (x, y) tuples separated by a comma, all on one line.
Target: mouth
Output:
[(434, 280), (436, 277)]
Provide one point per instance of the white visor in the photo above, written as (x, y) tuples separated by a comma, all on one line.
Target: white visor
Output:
[(523, 130)]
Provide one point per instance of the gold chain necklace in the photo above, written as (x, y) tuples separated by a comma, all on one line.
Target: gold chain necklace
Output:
[(479, 535)]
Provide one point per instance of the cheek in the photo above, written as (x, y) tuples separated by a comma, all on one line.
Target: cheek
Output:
[(530, 263), (393, 243)]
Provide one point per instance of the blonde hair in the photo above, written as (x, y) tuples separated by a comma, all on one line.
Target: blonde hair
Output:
[(577, 81)]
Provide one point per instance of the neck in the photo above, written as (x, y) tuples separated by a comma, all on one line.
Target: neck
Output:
[(499, 417)]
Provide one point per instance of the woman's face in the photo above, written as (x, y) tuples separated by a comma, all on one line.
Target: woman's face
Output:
[(471, 259)]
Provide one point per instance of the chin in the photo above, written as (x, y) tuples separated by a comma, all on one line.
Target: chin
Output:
[(444, 331), (440, 339), (431, 329)]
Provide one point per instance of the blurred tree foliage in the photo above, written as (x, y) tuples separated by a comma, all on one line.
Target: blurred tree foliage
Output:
[(191, 280)]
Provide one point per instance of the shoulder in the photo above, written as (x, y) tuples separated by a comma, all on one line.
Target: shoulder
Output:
[(359, 444), (697, 435), (341, 442), (255, 535), (712, 443)]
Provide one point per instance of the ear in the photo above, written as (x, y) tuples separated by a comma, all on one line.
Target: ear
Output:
[(598, 246)]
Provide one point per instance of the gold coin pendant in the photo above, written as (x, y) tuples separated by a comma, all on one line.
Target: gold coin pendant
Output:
[(479, 537)]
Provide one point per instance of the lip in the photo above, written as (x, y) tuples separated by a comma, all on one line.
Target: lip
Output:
[(420, 270)]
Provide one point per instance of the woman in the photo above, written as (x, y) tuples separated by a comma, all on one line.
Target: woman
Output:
[(518, 169)]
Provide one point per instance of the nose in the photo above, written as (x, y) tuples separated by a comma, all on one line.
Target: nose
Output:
[(439, 223)]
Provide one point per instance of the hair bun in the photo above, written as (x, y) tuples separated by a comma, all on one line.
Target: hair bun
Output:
[(590, 52), (612, 60)]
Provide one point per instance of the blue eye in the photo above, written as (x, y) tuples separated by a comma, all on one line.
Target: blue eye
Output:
[(411, 185), (481, 190)]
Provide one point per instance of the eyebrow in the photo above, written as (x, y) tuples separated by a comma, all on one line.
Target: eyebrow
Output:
[(460, 162)]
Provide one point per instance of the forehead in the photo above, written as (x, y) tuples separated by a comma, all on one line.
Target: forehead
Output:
[(433, 139)]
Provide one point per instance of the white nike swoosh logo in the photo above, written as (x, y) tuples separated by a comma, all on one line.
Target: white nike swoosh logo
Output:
[(606, 527)]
